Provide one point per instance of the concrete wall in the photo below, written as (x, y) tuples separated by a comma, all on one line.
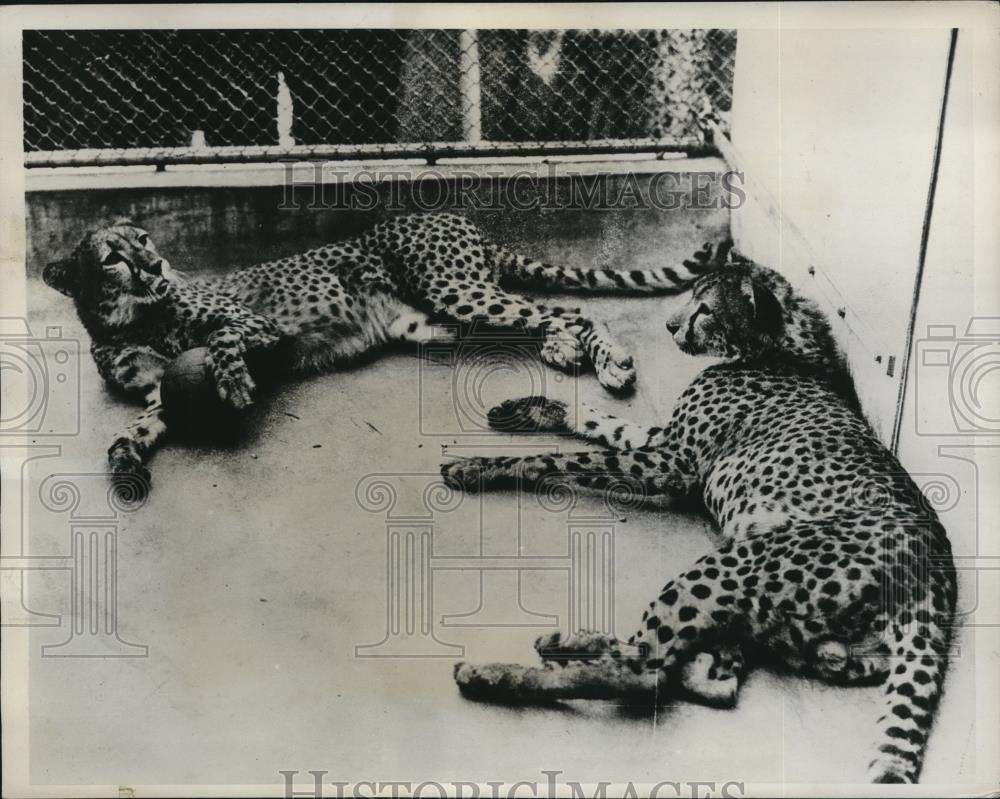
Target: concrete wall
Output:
[(210, 228)]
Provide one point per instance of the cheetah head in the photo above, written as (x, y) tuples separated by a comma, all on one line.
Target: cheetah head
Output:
[(731, 313), (117, 261)]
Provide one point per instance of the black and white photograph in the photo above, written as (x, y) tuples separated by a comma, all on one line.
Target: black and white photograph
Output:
[(497, 400)]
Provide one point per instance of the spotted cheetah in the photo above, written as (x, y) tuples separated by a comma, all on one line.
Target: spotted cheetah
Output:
[(325, 308), (831, 562)]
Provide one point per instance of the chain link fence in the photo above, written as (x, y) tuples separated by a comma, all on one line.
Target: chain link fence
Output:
[(203, 96)]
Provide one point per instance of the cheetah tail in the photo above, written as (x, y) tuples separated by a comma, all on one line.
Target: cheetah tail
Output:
[(522, 271), (911, 697)]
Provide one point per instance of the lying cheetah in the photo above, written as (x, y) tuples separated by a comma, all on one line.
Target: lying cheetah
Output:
[(324, 308), (832, 562)]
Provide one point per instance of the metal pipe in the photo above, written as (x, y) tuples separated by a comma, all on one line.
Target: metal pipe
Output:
[(356, 152)]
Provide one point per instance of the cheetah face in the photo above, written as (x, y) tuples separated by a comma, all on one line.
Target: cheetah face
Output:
[(730, 314), (115, 261)]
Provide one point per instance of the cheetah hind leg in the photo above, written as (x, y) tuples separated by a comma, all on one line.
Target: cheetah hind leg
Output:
[(583, 646), (711, 678)]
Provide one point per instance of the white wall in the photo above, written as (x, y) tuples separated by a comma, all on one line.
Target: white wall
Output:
[(836, 132), (950, 432)]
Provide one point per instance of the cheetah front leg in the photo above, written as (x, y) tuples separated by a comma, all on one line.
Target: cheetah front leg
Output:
[(646, 472), (133, 446), (544, 415), (135, 370), (227, 346)]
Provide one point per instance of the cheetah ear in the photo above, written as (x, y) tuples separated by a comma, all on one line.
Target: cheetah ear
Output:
[(63, 276), (767, 310)]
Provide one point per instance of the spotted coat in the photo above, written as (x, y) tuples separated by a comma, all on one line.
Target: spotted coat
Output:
[(328, 307), (831, 562)]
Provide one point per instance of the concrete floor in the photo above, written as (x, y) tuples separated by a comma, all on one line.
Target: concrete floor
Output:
[(253, 572)]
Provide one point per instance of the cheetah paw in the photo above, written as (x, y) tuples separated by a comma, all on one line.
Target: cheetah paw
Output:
[(529, 414), (562, 350), (617, 374), (503, 683), (477, 682), (236, 388), (710, 685), (129, 477), (464, 474)]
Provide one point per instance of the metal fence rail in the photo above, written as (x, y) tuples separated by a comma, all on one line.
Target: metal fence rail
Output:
[(203, 96)]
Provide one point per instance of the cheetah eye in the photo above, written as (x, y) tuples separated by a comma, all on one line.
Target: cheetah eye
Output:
[(704, 309), (143, 239), (111, 258)]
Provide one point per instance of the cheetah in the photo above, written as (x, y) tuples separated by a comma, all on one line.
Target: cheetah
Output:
[(324, 309), (831, 562)]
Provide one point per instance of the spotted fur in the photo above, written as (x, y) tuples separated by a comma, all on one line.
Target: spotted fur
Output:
[(831, 562), (330, 305)]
